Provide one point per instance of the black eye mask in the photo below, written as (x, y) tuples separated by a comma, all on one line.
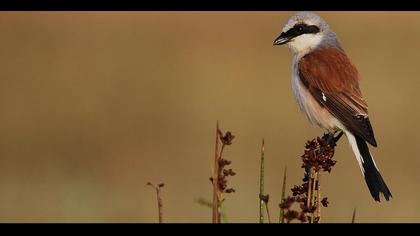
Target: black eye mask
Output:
[(297, 30), (300, 29)]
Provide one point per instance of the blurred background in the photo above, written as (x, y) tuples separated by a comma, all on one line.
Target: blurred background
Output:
[(96, 104)]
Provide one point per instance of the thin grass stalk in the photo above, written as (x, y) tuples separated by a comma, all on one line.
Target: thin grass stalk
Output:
[(308, 200), (160, 205), (314, 174), (268, 212), (353, 219), (261, 219), (318, 197), (283, 195), (159, 199)]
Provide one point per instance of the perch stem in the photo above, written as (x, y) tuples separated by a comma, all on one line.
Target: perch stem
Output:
[(283, 194), (313, 193), (318, 197)]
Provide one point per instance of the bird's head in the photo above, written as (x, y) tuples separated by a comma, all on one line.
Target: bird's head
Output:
[(306, 31)]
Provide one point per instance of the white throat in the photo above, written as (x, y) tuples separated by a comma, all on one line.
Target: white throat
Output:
[(305, 43)]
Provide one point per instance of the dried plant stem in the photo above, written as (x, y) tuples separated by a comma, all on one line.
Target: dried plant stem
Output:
[(314, 175), (220, 173), (159, 200), (160, 205), (216, 210), (308, 200), (283, 194), (219, 201), (353, 219), (262, 184), (268, 212), (318, 197)]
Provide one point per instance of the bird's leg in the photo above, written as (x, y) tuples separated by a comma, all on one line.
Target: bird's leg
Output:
[(336, 138), (331, 138)]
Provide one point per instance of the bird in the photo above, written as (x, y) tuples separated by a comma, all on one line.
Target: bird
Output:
[(325, 84)]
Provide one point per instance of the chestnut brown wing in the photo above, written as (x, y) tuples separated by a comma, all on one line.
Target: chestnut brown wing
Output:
[(333, 81)]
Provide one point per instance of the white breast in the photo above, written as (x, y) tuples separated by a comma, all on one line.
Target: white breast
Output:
[(316, 114)]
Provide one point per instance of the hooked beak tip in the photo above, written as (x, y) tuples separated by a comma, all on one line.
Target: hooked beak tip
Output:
[(282, 39)]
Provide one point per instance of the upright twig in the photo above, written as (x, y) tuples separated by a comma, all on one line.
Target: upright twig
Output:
[(283, 194), (268, 212), (318, 197), (215, 179), (159, 199), (314, 175), (220, 174), (262, 184), (353, 218), (308, 200), (264, 199)]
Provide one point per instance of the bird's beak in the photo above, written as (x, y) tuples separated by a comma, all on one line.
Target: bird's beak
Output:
[(282, 39)]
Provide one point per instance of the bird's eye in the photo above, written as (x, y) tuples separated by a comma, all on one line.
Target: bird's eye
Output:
[(300, 28)]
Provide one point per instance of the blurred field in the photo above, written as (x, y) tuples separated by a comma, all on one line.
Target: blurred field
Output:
[(95, 104)]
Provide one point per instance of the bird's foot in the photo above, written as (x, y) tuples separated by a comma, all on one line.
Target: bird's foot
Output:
[(332, 138)]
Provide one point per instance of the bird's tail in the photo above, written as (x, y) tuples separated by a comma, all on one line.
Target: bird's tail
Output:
[(367, 164)]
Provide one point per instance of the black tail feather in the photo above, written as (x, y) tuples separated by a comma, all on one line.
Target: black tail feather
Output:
[(373, 178)]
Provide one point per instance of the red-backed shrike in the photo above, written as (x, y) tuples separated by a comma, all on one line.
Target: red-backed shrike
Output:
[(326, 86)]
